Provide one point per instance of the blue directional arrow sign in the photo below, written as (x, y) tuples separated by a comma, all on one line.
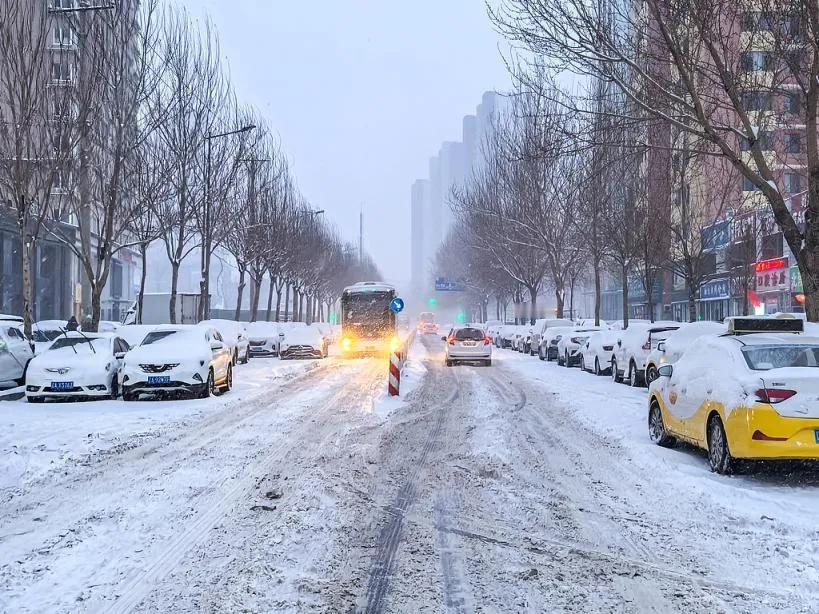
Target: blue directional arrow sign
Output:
[(397, 305)]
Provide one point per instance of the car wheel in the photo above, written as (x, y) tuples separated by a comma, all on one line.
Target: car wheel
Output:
[(127, 396), (634, 378), (35, 399), (22, 380), (616, 377), (210, 386), (656, 427), (247, 357), (651, 374), (597, 367), (448, 362), (228, 380), (487, 363), (236, 356), (540, 354), (719, 455), (567, 361), (114, 388)]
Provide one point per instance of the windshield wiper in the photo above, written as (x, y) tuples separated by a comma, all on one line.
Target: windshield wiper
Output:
[(63, 331), (91, 345)]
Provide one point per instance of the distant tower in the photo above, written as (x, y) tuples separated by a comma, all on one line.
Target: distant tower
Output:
[(361, 236)]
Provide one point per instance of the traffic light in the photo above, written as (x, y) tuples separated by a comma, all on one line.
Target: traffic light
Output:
[(433, 301), (461, 317)]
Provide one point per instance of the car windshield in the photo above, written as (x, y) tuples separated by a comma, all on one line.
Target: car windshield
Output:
[(41, 336), (157, 335), (469, 334), (77, 343), (779, 356)]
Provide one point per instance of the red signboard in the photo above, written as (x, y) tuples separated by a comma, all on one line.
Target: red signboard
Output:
[(771, 265)]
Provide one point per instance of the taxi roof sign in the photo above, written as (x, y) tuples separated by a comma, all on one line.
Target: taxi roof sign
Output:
[(747, 325)]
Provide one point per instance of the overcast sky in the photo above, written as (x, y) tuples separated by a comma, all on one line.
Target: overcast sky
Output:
[(361, 92)]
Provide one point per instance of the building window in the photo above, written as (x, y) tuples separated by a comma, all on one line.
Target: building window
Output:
[(793, 143), (757, 61), (748, 185), (61, 71), (62, 4), (63, 34), (756, 101), (793, 103), (765, 140), (793, 183), (754, 21)]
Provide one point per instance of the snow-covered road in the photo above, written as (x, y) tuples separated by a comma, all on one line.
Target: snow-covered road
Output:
[(520, 487)]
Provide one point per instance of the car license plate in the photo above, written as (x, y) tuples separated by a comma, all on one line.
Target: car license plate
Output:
[(468, 344), (58, 386), (159, 379)]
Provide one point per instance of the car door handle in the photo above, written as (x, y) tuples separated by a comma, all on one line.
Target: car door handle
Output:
[(709, 391), (683, 390)]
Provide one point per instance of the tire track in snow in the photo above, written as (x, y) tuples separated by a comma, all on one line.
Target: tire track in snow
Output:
[(140, 585), (390, 537)]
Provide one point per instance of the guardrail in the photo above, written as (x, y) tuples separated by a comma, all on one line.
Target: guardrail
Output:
[(398, 358)]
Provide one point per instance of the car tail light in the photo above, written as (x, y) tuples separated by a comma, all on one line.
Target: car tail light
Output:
[(451, 340), (773, 395), (647, 345), (760, 436), (487, 341)]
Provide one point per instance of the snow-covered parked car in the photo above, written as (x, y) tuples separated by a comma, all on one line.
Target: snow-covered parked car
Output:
[(234, 336), (15, 354), (302, 342), (77, 366), (135, 333), (570, 346), (669, 351), (598, 351), (507, 336), (633, 347), (549, 340), (540, 329), (746, 394), (263, 338), (180, 359), (44, 332)]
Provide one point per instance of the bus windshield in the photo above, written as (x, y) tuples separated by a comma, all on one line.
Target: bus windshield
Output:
[(368, 314)]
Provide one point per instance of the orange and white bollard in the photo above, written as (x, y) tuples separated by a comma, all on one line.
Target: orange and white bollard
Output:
[(394, 382)]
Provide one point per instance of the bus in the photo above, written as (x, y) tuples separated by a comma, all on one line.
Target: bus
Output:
[(367, 322)]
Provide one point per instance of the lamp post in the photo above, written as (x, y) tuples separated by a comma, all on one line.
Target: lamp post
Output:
[(204, 284)]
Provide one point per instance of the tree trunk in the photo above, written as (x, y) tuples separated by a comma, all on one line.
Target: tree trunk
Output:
[(598, 294), (692, 303), (571, 298), (255, 292), (143, 251), (269, 300), (174, 287), (625, 295), (241, 291), (96, 305), (533, 297), (286, 301), (278, 303), (560, 299), (26, 247)]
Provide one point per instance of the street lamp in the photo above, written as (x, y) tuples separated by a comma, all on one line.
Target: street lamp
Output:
[(204, 307)]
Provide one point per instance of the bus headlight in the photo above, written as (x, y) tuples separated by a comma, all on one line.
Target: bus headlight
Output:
[(346, 343)]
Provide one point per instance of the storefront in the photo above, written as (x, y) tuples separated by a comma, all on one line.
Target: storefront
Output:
[(773, 286), (715, 299), (797, 292)]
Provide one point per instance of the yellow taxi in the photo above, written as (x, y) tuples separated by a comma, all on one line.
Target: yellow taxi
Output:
[(752, 393)]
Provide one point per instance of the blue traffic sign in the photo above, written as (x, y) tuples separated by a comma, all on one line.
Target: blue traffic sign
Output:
[(397, 305)]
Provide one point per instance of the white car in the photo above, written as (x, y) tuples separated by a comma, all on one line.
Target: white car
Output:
[(107, 326), (263, 338), (541, 328), (633, 347), (598, 351), (468, 344), (301, 342), (570, 345), (135, 333), (15, 354), (669, 351), (234, 335), (77, 365), (549, 340), (44, 332), (172, 360)]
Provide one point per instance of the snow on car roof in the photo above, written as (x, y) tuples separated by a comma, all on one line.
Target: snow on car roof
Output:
[(774, 339)]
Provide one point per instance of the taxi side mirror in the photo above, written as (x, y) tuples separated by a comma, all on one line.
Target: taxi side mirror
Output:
[(666, 371)]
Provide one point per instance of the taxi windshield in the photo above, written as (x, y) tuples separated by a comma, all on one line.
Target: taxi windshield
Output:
[(779, 356)]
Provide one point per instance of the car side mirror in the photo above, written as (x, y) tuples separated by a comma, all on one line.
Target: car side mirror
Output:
[(666, 371), (281, 335), (661, 346), (119, 355), (443, 338), (215, 345), (619, 343)]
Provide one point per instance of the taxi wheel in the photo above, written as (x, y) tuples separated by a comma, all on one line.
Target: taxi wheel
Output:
[(656, 427), (719, 455), (228, 381)]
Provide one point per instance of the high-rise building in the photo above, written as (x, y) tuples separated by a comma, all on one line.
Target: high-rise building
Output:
[(455, 164)]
